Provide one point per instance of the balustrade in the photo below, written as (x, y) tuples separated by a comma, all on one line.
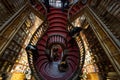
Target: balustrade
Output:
[(108, 11), (56, 39), (38, 33), (79, 38)]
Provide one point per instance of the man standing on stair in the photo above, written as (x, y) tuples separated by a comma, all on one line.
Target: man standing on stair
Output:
[(63, 4)]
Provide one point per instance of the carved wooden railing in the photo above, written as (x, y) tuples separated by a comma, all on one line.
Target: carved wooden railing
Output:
[(35, 37), (82, 52), (38, 33), (79, 40), (56, 39), (33, 69), (43, 27)]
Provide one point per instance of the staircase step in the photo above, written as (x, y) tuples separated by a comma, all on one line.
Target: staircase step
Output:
[(52, 24), (74, 60), (57, 12), (41, 63), (58, 25), (55, 9), (57, 29), (57, 21), (57, 16), (61, 27), (72, 65), (41, 47), (42, 43)]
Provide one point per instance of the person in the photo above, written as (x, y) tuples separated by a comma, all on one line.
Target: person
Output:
[(63, 66), (33, 50), (63, 4), (75, 31), (55, 54), (47, 5)]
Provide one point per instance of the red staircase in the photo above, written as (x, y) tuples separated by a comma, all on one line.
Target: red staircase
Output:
[(56, 33), (40, 8)]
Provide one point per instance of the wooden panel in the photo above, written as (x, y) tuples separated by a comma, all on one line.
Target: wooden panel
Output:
[(106, 41)]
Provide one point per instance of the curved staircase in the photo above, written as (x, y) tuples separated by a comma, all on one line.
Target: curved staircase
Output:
[(56, 34)]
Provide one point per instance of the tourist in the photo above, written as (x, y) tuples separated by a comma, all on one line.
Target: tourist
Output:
[(75, 31)]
